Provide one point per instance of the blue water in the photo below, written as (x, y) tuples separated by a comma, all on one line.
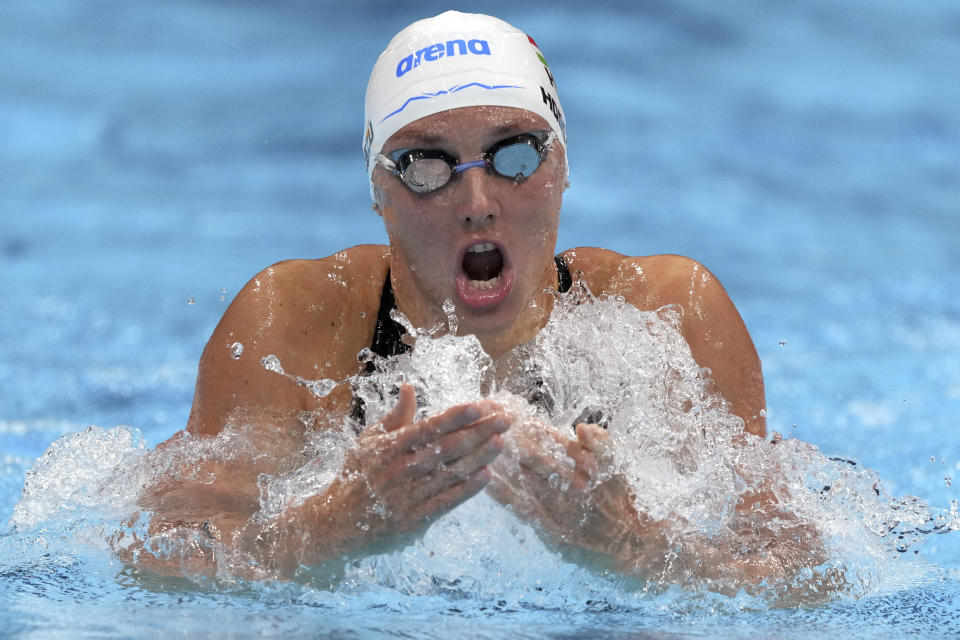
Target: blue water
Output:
[(154, 156)]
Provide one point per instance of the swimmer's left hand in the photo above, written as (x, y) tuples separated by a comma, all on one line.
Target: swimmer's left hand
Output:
[(572, 489), (585, 506)]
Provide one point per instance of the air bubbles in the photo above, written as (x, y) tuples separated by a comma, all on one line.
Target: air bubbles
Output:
[(223, 294), (366, 355), (191, 300), (236, 350), (782, 343), (947, 480)]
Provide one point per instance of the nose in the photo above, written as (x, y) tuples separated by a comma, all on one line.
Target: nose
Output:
[(475, 206)]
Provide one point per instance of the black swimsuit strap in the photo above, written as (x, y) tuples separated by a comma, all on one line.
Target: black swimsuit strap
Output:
[(563, 274), (387, 335)]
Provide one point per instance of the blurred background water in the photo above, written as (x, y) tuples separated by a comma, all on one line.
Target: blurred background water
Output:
[(155, 156)]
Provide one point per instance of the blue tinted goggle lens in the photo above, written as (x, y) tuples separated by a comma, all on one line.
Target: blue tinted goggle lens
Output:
[(517, 159), (426, 170)]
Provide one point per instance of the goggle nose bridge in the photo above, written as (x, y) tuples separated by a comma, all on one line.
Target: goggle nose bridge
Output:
[(463, 166)]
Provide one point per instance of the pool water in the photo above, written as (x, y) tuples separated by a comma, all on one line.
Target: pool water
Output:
[(156, 156)]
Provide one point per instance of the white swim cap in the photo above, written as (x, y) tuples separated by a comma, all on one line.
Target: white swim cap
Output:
[(456, 60)]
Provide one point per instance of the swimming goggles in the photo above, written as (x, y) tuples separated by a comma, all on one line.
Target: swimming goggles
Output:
[(426, 170)]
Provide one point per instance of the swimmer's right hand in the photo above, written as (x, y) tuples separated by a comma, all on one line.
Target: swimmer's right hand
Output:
[(400, 476)]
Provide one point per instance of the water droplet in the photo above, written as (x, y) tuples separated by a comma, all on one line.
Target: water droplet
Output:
[(363, 314), (449, 308), (223, 294), (271, 363), (401, 319), (782, 343), (365, 355), (948, 480), (236, 350), (191, 300), (933, 458), (320, 388)]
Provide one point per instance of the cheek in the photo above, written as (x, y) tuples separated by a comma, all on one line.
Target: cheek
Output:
[(544, 212)]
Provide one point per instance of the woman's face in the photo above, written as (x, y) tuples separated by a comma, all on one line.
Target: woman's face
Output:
[(482, 241)]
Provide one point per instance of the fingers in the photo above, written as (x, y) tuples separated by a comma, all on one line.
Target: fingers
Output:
[(523, 504), (414, 436), (593, 438), (404, 411), (542, 456), (446, 476), (453, 496), (452, 446), (589, 454), (447, 485)]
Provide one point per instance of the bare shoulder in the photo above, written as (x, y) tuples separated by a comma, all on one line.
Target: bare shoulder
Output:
[(313, 315), (648, 282), (711, 324)]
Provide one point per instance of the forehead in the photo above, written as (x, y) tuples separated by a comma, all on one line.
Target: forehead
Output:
[(477, 124)]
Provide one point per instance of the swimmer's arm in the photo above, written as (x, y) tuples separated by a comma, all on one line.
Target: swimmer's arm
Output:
[(314, 315), (398, 478), (719, 341)]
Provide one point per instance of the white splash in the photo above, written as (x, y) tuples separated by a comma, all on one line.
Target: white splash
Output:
[(676, 442)]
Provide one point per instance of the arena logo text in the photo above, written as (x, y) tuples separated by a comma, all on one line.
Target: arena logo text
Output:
[(436, 51)]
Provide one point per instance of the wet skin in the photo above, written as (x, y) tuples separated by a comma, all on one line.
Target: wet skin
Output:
[(316, 315)]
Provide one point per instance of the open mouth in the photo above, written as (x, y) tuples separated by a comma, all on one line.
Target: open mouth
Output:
[(483, 264), (485, 279)]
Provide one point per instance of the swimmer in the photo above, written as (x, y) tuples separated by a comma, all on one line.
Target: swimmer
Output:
[(466, 153)]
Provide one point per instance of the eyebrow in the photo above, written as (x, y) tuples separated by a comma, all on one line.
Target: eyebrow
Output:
[(426, 139)]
